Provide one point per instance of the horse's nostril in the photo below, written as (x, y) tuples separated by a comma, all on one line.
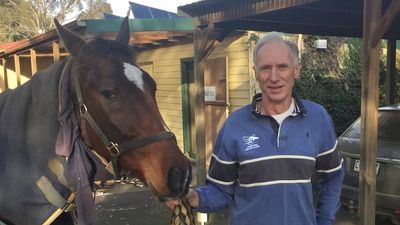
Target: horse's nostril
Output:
[(176, 180)]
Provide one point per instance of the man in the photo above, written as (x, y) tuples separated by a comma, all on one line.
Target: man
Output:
[(266, 152)]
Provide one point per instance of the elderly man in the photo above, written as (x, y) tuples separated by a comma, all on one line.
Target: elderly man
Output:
[(266, 152)]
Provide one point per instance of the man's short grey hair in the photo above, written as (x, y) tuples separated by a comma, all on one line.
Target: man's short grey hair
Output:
[(276, 36)]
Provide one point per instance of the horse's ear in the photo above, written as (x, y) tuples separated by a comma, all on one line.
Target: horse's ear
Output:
[(73, 43), (124, 33)]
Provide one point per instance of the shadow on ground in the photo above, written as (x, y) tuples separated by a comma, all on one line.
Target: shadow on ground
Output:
[(126, 204)]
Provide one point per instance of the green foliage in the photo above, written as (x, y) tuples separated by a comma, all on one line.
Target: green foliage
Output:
[(95, 9), (334, 79), (319, 61), (341, 97), (23, 19)]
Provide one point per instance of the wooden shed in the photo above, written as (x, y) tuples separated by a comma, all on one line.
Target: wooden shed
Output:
[(165, 50)]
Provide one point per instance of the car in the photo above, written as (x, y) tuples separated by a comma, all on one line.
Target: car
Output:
[(387, 166)]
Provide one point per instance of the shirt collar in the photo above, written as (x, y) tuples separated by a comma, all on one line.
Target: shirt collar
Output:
[(299, 108)]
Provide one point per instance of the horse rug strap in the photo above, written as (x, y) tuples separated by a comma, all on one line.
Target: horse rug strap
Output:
[(182, 214), (53, 196)]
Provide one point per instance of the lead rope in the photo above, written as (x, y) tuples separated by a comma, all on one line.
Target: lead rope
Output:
[(182, 214)]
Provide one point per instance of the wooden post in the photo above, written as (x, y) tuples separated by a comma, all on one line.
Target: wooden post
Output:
[(369, 113), (17, 69), (390, 82), (56, 52), (384, 22), (202, 49), (33, 61), (4, 81), (199, 106)]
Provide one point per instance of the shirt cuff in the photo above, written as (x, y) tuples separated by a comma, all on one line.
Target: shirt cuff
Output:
[(324, 221)]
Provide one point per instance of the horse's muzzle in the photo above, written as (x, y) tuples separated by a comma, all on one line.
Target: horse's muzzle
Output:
[(179, 180)]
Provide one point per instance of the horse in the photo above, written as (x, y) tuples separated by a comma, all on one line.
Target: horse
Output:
[(88, 116)]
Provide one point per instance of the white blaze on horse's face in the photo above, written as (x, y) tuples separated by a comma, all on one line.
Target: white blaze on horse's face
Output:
[(134, 74)]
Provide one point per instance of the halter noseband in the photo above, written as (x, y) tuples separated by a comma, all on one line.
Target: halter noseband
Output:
[(113, 148)]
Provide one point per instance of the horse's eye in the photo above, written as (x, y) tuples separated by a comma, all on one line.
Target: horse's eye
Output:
[(107, 93)]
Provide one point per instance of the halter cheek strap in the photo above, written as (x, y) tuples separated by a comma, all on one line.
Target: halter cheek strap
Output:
[(113, 148)]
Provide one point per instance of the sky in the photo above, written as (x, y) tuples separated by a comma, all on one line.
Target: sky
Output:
[(120, 7)]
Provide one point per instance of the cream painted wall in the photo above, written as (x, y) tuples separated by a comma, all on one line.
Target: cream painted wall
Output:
[(2, 79)]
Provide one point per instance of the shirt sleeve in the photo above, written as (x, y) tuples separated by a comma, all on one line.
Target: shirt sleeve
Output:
[(222, 176), (330, 167)]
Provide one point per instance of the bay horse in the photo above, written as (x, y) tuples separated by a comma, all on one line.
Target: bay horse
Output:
[(93, 112)]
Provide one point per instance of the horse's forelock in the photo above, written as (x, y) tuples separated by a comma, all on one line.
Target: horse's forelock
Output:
[(99, 47)]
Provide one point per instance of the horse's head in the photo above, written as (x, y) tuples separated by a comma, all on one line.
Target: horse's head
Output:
[(118, 114)]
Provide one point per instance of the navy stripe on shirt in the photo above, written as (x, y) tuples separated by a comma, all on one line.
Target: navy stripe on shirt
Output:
[(276, 169), (223, 171), (329, 160), (263, 171)]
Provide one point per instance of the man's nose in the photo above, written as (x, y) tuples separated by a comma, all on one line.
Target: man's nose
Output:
[(274, 74)]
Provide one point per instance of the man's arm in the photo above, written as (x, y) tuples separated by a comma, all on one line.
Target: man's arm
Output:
[(222, 175), (330, 185), (330, 167)]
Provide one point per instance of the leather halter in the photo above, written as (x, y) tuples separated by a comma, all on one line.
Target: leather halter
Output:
[(116, 149)]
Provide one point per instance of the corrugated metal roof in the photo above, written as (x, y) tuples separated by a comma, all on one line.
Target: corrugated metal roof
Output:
[(318, 17), (5, 46), (39, 40), (145, 31)]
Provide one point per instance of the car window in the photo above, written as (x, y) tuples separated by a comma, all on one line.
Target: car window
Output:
[(355, 130), (388, 126)]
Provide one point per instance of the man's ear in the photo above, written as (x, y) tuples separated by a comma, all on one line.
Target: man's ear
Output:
[(255, 73), (297, 69)]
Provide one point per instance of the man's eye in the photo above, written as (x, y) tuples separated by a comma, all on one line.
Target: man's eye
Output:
[(283, 67), (107, 93), (265, 69)]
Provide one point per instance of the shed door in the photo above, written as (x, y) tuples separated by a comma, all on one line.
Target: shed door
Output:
[(215, 96)]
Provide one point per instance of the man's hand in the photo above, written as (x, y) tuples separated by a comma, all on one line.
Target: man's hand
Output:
[(192, 197)]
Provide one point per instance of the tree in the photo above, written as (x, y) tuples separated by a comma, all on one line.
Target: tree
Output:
[(94, 9), (9, 18), (21, 19), (323, 62)]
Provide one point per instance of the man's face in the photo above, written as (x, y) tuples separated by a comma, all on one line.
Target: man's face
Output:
[(276, 72)]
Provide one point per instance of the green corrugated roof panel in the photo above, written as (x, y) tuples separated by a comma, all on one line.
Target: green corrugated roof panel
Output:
[(137, 25)]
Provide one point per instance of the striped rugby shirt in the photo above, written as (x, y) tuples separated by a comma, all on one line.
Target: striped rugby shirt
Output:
[(262, 171)]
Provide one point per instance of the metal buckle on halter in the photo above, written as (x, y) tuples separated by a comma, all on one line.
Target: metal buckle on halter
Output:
[(82, 109), (113, 148)]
